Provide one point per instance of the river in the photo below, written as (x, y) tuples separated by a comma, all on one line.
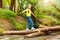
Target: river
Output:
[(53, 36)]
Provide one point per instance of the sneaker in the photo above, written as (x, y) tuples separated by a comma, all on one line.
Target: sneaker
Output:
[(32, 28), (27, 29)]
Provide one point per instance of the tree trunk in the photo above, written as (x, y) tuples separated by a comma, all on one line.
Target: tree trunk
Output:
[(12, 5), (0, 3), (21, 6)]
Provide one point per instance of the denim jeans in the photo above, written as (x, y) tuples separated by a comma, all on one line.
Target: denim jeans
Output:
[(29, 22)]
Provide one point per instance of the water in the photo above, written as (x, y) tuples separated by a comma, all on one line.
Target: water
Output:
[(53, 36)]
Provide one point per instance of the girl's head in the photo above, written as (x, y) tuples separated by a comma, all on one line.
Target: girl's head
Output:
[(29, 6)]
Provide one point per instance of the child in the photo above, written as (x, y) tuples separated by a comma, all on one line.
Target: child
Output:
[(28, 17)]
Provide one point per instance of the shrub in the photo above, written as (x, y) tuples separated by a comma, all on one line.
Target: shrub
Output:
[(5, 13)]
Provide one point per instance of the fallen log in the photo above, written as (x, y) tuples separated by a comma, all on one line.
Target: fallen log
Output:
[(43, 31), (34, 34), (54, 28), (23, 32)]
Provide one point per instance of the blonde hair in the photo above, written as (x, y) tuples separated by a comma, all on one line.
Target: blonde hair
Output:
[(29, 5)]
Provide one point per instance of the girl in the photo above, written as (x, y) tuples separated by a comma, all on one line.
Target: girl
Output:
[(28, 17)]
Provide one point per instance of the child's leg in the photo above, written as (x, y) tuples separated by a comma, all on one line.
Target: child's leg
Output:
[(27, 26), (31, 23)]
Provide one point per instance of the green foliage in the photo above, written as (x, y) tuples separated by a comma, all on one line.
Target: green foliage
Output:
[(1, 29), (50, 18), (17, 25), (32, 1), (45, 12), (5, 13), (6, 3), (47, 19)]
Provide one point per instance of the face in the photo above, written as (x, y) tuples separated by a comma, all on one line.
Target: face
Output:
[(29, 6)]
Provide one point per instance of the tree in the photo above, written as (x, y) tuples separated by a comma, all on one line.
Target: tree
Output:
[(0, 3), (12, 5)]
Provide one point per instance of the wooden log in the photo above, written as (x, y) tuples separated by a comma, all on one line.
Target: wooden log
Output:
[(34, 34), (54, 28), (31, 31), (42, 31), (22, 32)]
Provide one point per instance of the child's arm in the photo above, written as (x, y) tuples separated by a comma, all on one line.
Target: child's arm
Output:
[(24, 11), (34, 15)]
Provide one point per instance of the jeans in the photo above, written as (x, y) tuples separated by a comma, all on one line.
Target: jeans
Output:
[(29, 22)]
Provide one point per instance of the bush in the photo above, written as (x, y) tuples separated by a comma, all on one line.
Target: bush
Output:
[(5, 13)]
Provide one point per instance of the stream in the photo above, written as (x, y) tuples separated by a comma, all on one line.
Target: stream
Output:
[(52, 36)]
